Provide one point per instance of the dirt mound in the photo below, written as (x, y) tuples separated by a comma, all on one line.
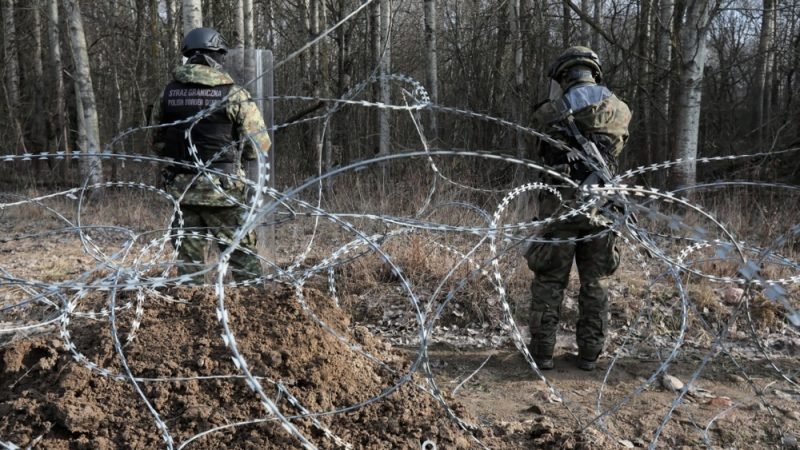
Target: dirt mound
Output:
[(188, 376)]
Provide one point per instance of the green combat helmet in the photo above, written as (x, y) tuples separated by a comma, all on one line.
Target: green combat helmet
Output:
[(576, 56)]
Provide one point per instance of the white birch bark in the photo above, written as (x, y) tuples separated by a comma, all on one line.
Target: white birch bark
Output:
[(192, 15), (689, 96), (92, 168)]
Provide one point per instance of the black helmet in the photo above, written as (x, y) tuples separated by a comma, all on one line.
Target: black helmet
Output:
[(203, 39), (576, 56)]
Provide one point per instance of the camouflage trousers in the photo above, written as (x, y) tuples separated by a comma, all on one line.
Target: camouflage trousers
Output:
[(551, 263), (221, 222)]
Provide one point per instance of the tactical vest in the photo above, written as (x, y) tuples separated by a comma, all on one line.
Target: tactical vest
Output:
[(210, 135), (600, 116)]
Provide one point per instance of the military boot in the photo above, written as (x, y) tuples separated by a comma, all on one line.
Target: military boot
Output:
[(543, 363), (587, 365)]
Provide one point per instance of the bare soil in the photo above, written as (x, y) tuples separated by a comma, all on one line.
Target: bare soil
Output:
[(183, 368), (45, 393)]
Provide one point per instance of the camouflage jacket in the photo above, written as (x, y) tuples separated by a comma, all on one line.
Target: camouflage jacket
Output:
[(600, 116), (207, 188)]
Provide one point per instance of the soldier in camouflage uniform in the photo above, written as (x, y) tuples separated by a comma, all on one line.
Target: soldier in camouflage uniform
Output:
[(229, 132), (601, 119)]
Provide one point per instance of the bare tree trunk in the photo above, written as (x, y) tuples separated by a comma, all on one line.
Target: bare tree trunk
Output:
[(58, 132), (496, 79), (120, 147), (11, 58), (539, 51), (192, 15), (172, 25), (248, 40), (39, 120), (689, 95), (92, 168), (761, 82), (375, 53), (519, 72), (643, 79), (325, 87), (662, 81), (586, 29), (791, 78), (10, 52), (155, 47), (344, 67), (238, 37), (312, 23), (517, 99), (431, 74), (38, 69), (566, 26), (596, 15), (249, 34), (386, 68), (271, 13), (82, 143)]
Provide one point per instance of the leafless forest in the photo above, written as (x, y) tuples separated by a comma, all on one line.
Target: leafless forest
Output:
[(703, 78), (401, 192)]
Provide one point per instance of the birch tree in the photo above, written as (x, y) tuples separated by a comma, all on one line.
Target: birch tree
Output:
[(92, 169), (192, 15), (688, 98)]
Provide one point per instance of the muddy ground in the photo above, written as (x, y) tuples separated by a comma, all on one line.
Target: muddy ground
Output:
[(349, 374)]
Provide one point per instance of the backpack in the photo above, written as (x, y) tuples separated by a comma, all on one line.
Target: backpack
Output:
[(590, 118)]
